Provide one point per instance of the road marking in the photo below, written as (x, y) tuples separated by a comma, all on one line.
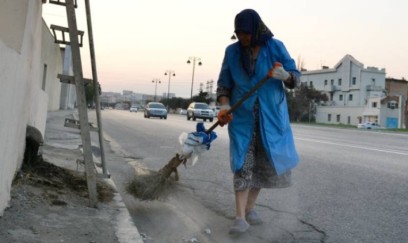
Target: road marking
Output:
[(353, 146)]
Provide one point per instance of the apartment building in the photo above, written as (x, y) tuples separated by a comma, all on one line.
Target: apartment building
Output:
[(356, 94)]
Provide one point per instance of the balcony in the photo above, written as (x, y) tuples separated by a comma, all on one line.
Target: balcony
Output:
[(371, 112), (328, 103), (329, 88), (374, 88)]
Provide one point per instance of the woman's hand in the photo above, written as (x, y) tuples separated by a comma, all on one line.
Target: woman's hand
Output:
[(223, 116), (278, 72)]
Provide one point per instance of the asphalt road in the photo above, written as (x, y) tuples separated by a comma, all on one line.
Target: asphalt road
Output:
[(350, 186)]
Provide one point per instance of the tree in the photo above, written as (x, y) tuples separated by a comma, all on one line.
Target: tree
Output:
[(301, 102), (176, 102), (90, 94), (300, 63), (202, 97)]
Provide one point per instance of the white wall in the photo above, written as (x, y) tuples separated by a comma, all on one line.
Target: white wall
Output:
[(68, 91), (23, 102), (344, 112), (51, 57)]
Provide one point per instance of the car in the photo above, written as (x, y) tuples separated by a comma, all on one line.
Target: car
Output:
[(369, 125), (183, 112), (216, 110), (155, 109), (200, 110), (133, 109)]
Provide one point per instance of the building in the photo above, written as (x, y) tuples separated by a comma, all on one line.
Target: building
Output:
[(112, 98), (396, 102), (356, 94), (30, 62), (169, 95)]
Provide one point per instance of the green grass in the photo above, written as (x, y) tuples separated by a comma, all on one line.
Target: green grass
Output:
[(398, 130)]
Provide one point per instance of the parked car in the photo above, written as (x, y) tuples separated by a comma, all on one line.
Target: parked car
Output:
[(155, 109), (183, 112), (216, 110), (369, 125), (200, 110), (133, 109)]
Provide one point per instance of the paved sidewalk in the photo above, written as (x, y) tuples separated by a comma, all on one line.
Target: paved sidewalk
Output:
[(45, 209)]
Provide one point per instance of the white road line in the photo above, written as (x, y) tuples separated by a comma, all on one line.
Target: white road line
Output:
[(353, 146)]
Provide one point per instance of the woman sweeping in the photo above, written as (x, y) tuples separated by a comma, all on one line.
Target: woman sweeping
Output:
[(262, 150)]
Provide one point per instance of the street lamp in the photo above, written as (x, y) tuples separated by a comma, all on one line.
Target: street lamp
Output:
[(170, 73), (156, 80), (194, 59)]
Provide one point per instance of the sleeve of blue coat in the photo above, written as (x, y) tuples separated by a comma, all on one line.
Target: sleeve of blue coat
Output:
[(289, 64), (225, 79)]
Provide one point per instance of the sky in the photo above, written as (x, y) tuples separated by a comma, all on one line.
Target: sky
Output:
[(137, 41)]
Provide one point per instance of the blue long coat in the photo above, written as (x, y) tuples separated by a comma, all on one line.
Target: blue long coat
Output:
[(275, 130)]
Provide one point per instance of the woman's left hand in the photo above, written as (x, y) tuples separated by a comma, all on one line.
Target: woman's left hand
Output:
[(278, 72)]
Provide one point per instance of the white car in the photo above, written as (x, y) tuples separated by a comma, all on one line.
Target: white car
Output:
[(216, 111), (133, 109), (369, 125), (199, 110), (183, 112)]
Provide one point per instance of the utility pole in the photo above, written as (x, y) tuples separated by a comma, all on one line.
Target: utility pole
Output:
[(193, 59), (82, 107), (96, 87), (170, 73), (209, 87)]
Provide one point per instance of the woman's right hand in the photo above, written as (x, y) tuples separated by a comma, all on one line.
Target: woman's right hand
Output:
[(223, 116)]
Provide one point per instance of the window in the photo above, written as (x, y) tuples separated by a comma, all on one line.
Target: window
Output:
[(311, 84), (374, 104), (350, 97), (354, 80), (44, 77), (338, 117), (325, 82), (332, 82), (339, 81), (329, 117), (348, 120), (341, 97), (392, 105)]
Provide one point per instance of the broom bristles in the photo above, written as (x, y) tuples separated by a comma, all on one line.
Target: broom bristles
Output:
[(149, 185)]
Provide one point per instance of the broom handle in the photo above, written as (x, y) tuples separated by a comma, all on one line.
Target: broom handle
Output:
[(239, 103)]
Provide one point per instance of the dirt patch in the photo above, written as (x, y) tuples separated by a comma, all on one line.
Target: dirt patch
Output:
[(50, 204), (51, 178)]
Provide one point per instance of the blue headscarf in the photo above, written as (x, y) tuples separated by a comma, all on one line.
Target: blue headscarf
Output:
[(249, 21)]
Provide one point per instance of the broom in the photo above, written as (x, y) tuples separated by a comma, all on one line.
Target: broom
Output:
[(149, 185)]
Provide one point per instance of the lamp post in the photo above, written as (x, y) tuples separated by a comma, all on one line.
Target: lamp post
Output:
[(156, 80), (170, 73), (194, 59)]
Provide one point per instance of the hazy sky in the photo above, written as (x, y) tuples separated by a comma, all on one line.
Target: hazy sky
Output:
[(137, 41)]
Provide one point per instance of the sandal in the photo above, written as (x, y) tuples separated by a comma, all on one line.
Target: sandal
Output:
[(253, 218), (239, 226)]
